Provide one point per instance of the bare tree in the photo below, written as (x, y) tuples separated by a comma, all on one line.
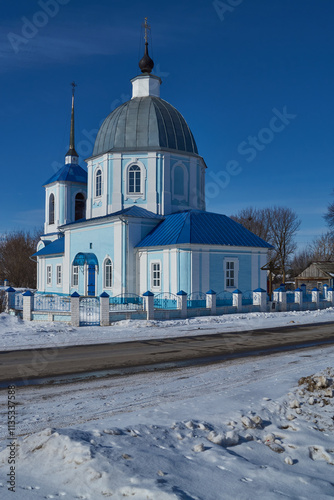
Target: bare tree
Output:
[(16, 249), (283, 223), (2, 301), (255, 220), (300, 261), (322, 248), (277, 226), (329, 216)]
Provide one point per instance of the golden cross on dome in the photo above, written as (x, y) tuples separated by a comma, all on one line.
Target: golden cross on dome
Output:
[(147, 28)]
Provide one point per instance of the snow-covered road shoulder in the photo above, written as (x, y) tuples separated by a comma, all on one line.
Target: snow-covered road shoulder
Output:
[(284, 448)]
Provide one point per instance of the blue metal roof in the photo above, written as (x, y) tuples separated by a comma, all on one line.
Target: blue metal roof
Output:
[(133, 211), (200, 227), (69, 172), (56, 247), (85, 258), (136, 211)]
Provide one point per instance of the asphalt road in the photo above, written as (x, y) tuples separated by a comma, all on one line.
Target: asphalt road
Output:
[(27, 364)]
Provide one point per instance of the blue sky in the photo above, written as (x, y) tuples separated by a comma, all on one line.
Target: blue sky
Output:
[(253, 78)]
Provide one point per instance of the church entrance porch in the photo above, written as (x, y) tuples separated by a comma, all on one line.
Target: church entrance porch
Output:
[(88, 263)]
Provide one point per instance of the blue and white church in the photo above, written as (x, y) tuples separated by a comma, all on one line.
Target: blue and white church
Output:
[(135, 220)]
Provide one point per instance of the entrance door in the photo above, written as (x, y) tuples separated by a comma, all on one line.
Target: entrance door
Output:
[(91, 280)]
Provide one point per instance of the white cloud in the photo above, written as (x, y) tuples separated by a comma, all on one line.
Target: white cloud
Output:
[(53, 44)]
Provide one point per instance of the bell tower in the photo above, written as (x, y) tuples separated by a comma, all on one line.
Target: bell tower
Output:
[(66, 190)]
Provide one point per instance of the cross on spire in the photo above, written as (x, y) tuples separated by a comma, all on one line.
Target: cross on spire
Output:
[(73, 84), (146, 64), (71, 155), (147, 28)]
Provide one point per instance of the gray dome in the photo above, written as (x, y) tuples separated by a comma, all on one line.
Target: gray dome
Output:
[(145, 123)]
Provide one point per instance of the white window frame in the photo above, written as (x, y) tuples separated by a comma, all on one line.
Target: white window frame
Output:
[(51, 223), (136, 170), (75, 274), (49, 275), (74, 200), (105, 273), (98, 169), (227, 261), (153, 279), (59, 275), (143, 174)]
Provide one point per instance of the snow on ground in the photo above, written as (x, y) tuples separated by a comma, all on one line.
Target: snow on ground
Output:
[(16, 334), (242, 429)]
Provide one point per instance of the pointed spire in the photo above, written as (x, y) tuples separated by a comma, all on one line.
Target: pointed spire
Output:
[(71, 155), (146, 64)]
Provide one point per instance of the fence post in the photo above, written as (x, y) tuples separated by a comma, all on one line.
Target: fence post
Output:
[(330, 295), (276, 295), (282, 299), (28, 302), (260, 299), (315, 295), (149, 304), (237, 299), (9, 299), (104, 309), (211, 301), (325, 290), (182, 303), (299, 297), (75, 309), (279, 296)]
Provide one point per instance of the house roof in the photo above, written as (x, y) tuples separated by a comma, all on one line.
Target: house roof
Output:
[(318, 268), (197, 226), (133, 211), (69, 172), (53, 248)]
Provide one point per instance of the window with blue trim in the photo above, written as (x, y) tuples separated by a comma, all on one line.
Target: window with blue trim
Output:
[(107, 273), (134, 179), (75, 276), (230, 277), (98, 183)]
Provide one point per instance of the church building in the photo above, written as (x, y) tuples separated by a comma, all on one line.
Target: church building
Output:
[(135, 220)]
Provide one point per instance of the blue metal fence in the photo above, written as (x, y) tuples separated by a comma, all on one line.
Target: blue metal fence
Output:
[(165, 300), (16, 301), (247, 298), (224, 299), (52, 303), (196, 299), (126, 302), (290, 297)]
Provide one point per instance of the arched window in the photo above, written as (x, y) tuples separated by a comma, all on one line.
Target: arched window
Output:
[(80, 206), (98, 183), (107, 273), (179, 180), (51, 209), (134, 179)]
